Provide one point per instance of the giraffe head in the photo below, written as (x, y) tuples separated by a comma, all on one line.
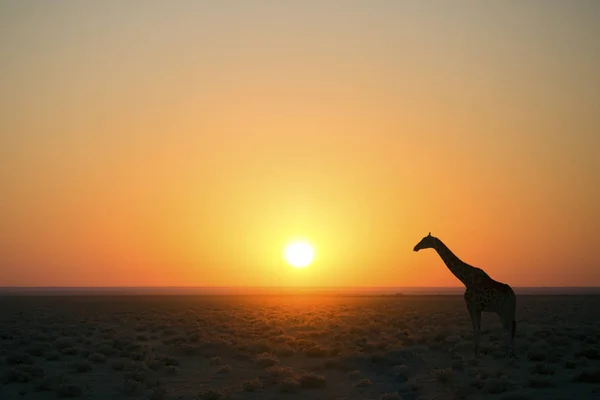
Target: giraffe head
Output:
[(426, 243)]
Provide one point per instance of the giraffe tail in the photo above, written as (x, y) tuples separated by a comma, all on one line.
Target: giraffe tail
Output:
[(514, 329)]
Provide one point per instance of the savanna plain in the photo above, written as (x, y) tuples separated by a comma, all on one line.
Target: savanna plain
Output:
[(293, 347)]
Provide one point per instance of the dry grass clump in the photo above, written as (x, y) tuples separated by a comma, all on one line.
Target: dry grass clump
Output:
[(97, 358), (132, 387), (284, 351), (224, 369), (171, 370), (363, 383), (515, 396), (591, 353), (391, 396), (541, 368), (19, 358), (541, 382), (82, 366), (496, 386), (316, 352), (159, 393), (310, 380), (69, 390), (210, 394), (537, 354), (252, 385), (265, 360), (289, 385), (168, 361), (52, 355), (21, 374), (588, 376), (400, 373), (355, 375), (444, 375), (70, 351)]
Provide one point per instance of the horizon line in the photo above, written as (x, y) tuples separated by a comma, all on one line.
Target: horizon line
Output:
[(277, 286), (272, 287)]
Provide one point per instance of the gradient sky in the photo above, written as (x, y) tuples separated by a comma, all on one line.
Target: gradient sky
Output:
[(185, 142)]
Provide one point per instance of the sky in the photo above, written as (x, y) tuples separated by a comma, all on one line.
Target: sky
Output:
[(185, 143)]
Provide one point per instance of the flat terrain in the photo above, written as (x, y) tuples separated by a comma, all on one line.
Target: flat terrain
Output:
[(293, 347)]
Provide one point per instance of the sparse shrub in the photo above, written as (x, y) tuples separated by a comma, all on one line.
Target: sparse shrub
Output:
[(289, 385), (591, 353), (266, 360), (69, 390), (171, 370), (169, 361), (311, 380), (136, 356), (215, 361), (224, 369), (536, 354), (588, 376), (82, 366), (276, 373), (36, 350), (118, 365), (458, 365), (354, 375), (379, 359), (132, 387), (540, 382), (63, 343), (315, 352), (362, 383), (284, 351), (401, 373), (70, 351), (515, 396), (444, 375), (52, 356), (44, 385), (391, 396), (542, 369), (16, 375), (154, 365), (97, 358), (210, 394), (137, 376), (84, 353), (252, 385), (19, 358), (495, 386), (158, 393)]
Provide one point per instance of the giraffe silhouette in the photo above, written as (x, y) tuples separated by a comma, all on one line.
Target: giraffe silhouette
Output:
[(483, 294)]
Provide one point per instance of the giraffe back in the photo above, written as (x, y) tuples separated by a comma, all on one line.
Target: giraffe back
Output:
[(487, 294)]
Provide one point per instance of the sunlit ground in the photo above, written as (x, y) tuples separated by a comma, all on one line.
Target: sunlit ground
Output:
[(273, 347)]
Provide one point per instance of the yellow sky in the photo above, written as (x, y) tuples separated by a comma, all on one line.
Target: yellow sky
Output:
[(185, 143)]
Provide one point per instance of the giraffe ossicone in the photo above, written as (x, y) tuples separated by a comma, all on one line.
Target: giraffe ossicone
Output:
[(483, 294)]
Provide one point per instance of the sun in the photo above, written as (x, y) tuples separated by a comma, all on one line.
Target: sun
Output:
[(299, 254)]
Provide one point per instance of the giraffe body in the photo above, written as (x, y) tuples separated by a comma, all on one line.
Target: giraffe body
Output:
[(482, 294)]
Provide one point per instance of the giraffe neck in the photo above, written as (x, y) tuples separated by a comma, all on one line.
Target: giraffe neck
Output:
[(454, 264)]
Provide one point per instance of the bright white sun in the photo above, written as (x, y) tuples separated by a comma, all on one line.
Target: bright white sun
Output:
[(299, 254)]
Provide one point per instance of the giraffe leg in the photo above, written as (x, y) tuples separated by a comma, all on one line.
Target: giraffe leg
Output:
[(476, 321), (507, 325), (507, 317)]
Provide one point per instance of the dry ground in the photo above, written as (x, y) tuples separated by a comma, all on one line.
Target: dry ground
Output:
[(293, 347)]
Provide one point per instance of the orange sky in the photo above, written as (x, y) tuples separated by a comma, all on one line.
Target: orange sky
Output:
[(184, 143)]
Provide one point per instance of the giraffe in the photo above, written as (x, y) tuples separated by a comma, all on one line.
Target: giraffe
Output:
[(483, 294)]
